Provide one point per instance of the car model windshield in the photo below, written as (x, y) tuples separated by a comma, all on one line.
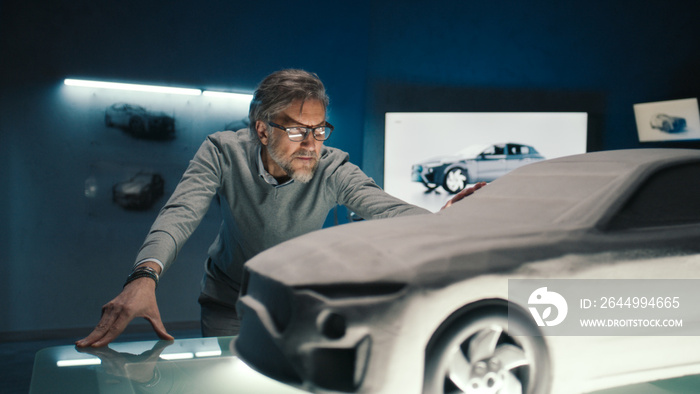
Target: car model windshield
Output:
[(472, 150)]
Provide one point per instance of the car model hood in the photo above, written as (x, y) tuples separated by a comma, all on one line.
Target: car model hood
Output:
[(490, 222), (392, 250), (543, 210)]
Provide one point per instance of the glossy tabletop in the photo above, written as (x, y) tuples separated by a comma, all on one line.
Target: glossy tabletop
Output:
[(197, 365)]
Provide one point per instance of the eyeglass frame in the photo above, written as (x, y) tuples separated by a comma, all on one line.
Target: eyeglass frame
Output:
[(307, 130)]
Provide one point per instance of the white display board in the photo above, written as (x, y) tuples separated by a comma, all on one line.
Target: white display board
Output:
[(412, 138)]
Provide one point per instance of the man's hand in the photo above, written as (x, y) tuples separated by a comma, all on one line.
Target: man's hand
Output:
[(467, 191), (138, 299)]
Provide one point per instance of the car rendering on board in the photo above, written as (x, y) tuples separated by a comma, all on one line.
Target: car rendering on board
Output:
[(667, 123), (139, 192), (421, 303), (475, 163), (139, 122)]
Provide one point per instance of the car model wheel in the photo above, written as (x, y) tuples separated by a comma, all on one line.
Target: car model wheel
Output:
[(456, 179), (487, 353)]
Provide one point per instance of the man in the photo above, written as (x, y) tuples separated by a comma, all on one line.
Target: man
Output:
[(275, 182)]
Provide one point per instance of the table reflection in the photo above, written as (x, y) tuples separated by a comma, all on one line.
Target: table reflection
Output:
[(206, 365)]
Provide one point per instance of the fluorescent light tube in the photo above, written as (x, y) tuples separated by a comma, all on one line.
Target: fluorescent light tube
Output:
[(177, 356), (78, 362), (211, 353), (229, 95), (132, 87)]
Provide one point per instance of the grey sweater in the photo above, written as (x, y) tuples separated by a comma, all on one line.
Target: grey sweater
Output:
[(257, 215)]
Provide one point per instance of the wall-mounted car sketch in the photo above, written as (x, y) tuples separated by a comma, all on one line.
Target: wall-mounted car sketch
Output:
[(671, 120), (421, 303), (668, 123), (139, 192), (475, 163), (139, 122)]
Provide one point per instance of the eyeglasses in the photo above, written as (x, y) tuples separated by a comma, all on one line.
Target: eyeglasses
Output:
[(299, 133)]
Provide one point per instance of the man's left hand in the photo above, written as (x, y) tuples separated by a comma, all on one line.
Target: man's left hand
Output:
[(467, 191)]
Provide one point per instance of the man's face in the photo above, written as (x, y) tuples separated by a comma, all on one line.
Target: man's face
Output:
[(297, 160)]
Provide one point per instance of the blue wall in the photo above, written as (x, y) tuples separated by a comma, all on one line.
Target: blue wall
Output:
[(595, 56), (59, 264)]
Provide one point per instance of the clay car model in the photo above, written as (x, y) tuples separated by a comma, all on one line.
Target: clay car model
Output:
[(420, 303), (139, 122), (475, 163), (139, 192), (667, 123)]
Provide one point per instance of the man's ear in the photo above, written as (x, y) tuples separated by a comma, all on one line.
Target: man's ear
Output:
[(262, 130)]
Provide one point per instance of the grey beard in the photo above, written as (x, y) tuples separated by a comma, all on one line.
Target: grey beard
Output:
[(286, 164), (303, 177)]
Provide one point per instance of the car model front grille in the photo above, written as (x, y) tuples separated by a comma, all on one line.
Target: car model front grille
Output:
[(258, 349)]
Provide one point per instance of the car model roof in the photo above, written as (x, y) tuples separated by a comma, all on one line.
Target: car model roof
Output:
[(573, 189)]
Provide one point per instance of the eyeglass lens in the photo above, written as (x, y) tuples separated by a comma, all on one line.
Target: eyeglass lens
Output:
[(300, 133)]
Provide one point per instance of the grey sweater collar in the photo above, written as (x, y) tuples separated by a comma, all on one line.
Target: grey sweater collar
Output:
[(266, 175)]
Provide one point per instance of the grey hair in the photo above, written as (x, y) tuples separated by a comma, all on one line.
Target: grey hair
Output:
[(280, 89)]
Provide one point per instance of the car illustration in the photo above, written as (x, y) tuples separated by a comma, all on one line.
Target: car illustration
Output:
[(139, 192), (475, 163), (667, 123), (139, 122), (420, 303)]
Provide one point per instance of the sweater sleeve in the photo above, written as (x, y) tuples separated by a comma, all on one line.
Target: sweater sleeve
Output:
[(186, 207), (363, 196)]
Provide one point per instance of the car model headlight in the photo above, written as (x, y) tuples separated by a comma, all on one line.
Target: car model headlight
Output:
[(331, 325), (340, 369)]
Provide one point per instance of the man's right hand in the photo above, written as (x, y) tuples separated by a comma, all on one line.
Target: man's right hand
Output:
[(138, 299)]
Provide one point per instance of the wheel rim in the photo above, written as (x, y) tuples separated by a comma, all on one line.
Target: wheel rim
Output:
[(456, 180), (484, 356), (481, 365)]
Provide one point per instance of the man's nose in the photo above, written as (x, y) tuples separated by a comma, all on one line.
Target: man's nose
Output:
[(309, 142)]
